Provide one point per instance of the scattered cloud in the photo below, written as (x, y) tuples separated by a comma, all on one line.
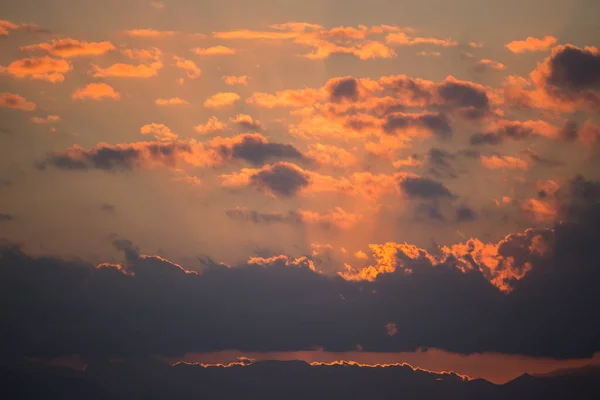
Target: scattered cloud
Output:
[(72, 48), (212, 125), (191, 69), (96, 91), (149, 33), (170, 101), (160, 131), (49, 119), (531, 44), (43, 68), (120, 70), (222, 99), (235, 80), (214, 51), (15, 101)]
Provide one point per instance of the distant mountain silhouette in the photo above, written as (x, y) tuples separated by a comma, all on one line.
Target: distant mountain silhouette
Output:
[(151, 379)]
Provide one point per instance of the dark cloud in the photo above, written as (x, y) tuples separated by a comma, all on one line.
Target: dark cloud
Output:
[(115, 157), (485, 138), (240, 214), (282, 179), (293, 380), (439, 162), (543, 161), (573, 74), (437, 123), (465, 214), (150, 306), (256, 150), (471, 101), (514, 130), (430, 211), (570, 132), (344, 89), (424, 188), (5, 217), (109, 208)]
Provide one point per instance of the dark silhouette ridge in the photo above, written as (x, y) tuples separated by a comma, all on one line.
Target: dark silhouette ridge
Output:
[(151, 379)]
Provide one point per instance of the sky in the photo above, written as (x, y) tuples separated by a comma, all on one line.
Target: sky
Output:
[(283, 177)]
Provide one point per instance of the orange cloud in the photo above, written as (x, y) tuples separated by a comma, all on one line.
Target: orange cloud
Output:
[(157, 5), (214, 51), (485, 64), (72, 48), (329, 155), (96, 91), (7, 26), (287, 98), (402, 39), (127, 70), (503, 162), (235, 80), (324, 42), (222, 99), (541, 211), (213, 125), (190, 67), (170, 102), (246, 121), (15, 101), (407, 162), (50, 119), (160, 131), (149, 33), (42, 68), (531, 44)]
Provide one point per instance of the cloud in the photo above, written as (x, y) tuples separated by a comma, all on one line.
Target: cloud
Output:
[(191, 69), (109, 208), (519, 295), (531, 44), (5, 217), (246, 122), (212, 125), (170, 102), (329, 155), (120, 70), (149, 33), (235, 80), (49, 119), (515, 130), (432, 123), (15, 101), (465, 214), (214, 51), (503, 162), (160, 131), (402, 39), (281, 179), (143, 55), (486, 64), (418, 187), (96, 91), (222, 99), (72, 48), (8, 26), (253, 148), (157, 5), (323, 42), (245, 215), (337, 218), (125, 157), (42, 68), (570, 77)]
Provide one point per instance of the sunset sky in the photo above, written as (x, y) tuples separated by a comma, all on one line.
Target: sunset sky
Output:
[(289, 176)]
